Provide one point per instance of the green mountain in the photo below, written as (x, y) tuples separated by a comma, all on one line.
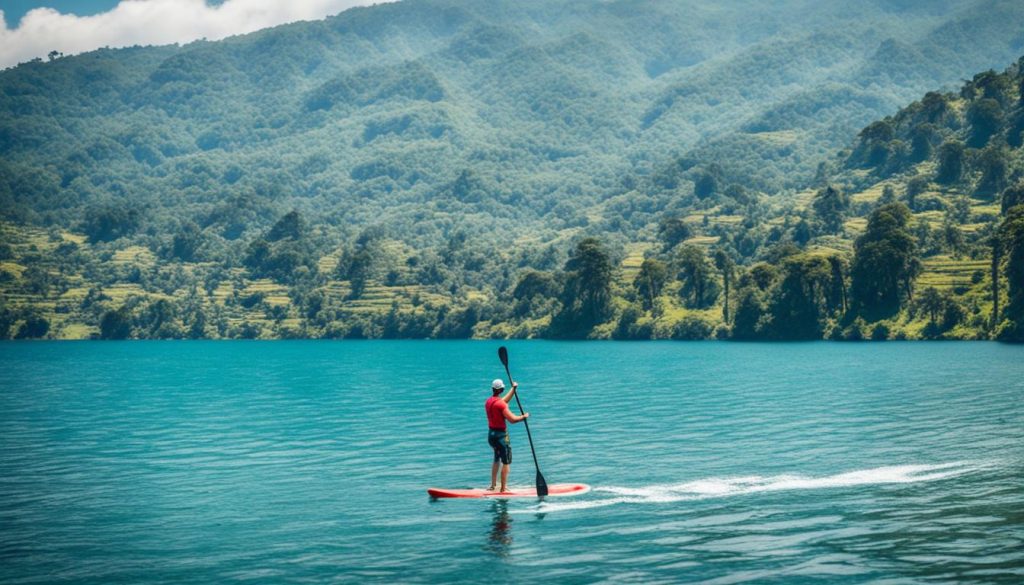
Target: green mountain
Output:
[(927, 204), (402, 169), (362, 113)]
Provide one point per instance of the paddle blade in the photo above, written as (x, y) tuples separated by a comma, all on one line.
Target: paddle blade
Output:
[(542, 486), (503, 356)]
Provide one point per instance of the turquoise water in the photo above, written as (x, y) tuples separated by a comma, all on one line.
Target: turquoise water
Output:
[(214, 462)]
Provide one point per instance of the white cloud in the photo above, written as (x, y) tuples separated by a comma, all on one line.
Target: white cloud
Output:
[(153, 22)]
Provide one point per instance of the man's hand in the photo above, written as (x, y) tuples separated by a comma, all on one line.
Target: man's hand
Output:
[(515, 385)]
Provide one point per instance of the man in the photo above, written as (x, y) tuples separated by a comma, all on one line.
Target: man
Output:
[(497, 435)]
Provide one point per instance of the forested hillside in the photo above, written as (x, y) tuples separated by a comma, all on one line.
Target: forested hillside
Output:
[(634, 169)]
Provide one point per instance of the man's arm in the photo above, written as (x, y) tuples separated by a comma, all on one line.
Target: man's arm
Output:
[(509, 416), (514, 418), (508, 395)]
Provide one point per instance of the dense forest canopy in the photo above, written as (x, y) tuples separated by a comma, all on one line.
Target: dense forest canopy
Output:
[(454, 168)]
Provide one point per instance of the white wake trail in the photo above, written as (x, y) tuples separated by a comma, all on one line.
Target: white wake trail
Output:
[(736, 486)]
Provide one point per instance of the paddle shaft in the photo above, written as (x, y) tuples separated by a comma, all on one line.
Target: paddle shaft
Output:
[(525, 421)]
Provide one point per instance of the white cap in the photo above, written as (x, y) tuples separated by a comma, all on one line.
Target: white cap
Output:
[(498, 384)]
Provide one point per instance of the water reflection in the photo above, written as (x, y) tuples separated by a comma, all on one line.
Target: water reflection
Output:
[(499, 541)]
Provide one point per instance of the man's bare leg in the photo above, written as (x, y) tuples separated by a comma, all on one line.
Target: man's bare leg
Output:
[(504, 477), (494, 475)]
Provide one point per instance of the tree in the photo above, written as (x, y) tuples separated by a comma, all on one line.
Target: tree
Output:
[(38, 280), (290, 226), (1012, 197), (830, 205), (952, 238), (960, 211), (155, 316), (535, 283), (360, 271), (740, 194), (802, 232), (1011, 236), (885, 262), (257, 254), (34, 327), (1020, 80), (994, 164), (458, 323), (282, 253), (915, 186), (1015, 132), (197, 330), (752, 318), (672, 231), (761, 275), (708, 181), (751, 314), (467, 187), (800, 304), (931, 302), (534, 287), (587, 296), (691, 327), (888, 195), (997, 257), (7, 319), (724, 263), (928, 242), (897, 157), (952, 155), (116, 324), (935, 108), (923, 138), (837, 293), (993, 86), (650, 281), (874, 143), (630, 327), (698, 290), (986, 118), (105, 223), (186, 242)]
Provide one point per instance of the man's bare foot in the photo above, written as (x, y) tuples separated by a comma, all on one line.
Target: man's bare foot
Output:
[(490, 489)]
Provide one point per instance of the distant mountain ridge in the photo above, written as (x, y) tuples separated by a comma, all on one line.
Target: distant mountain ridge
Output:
[(546, 101)]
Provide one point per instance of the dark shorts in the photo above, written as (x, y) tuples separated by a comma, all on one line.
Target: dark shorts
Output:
[(498, 440)]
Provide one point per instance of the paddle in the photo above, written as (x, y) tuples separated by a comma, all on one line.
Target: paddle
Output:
[(542, 486)]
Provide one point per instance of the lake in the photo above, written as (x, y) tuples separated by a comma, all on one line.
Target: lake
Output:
[(308, 461)]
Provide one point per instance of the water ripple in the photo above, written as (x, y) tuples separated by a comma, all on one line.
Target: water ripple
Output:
[(307, 462)]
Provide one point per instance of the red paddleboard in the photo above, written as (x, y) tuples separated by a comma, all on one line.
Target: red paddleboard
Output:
[(558, 489)]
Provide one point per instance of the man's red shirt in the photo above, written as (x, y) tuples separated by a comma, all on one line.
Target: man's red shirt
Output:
[(496, 408)]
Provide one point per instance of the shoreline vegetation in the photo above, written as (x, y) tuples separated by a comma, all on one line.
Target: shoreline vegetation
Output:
[(172, 193), (685, 292)]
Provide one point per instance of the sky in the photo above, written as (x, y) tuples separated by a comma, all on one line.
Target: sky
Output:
[(33, 28)]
